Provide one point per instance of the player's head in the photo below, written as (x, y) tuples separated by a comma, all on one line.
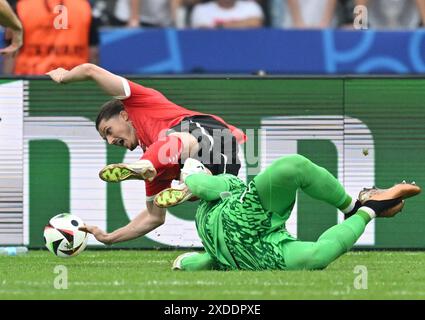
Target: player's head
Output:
[(114, 125)]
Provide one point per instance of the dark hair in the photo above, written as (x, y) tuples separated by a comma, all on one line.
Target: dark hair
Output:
[(110, 109)]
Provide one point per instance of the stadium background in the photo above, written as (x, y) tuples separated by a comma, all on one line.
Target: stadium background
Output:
[(365, 129), (275, 51), (314, 117)]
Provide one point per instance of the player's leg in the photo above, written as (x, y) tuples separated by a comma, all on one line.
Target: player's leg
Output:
[(195, 261), (206, 187), (117, 172), (161, 156), (340, 238), (333, 243), (278, 184), (213, 146), (218, 148), (199, 184)]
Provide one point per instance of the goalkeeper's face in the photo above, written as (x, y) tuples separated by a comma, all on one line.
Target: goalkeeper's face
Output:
[(119, 131)]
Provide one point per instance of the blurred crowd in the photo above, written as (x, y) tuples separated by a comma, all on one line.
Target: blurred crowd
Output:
[(388, 14)]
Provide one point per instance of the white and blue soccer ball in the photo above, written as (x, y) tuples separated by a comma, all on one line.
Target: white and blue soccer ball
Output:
[(62, 237)]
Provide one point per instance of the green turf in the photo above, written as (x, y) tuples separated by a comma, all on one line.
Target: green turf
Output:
[(147, 275)]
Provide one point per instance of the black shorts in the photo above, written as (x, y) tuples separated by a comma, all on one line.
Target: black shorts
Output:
[(218, 146)]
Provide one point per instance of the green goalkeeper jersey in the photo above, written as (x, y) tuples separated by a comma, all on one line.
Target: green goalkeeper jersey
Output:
[(238, 232)]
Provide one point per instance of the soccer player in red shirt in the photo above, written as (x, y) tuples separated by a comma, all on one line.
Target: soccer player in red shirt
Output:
[(167, 133)]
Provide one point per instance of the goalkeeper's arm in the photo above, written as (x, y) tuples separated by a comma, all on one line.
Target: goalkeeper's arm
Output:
[(206, 186)]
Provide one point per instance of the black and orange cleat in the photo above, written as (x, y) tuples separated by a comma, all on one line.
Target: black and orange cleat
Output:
[(388, 202)]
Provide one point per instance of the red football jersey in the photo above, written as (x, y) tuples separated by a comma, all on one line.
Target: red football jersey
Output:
[(152, 114)]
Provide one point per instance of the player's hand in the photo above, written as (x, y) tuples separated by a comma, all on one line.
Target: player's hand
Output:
[(98, 233), (57, 74), (16, 37)]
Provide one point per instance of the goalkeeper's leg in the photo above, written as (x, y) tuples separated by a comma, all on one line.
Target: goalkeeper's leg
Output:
[(331, 244), (278, 184), (198, 182)]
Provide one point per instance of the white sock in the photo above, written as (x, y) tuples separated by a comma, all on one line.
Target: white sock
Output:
[(369, 211), (191, 166)]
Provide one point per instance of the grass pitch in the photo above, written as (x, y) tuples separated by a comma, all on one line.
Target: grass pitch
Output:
[(147, 275)]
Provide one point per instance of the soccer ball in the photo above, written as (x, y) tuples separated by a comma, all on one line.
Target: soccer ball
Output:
[(62, 237)]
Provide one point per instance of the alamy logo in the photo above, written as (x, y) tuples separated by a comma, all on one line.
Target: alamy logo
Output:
[(360, 18), (360, 281), (61, 20), (61, 280)]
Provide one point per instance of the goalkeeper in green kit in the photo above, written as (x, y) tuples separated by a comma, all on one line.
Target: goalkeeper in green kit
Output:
[(243, 226)]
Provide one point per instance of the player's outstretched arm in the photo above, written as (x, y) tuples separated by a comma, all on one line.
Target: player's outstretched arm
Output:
[(149, 219), (107, 81)]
